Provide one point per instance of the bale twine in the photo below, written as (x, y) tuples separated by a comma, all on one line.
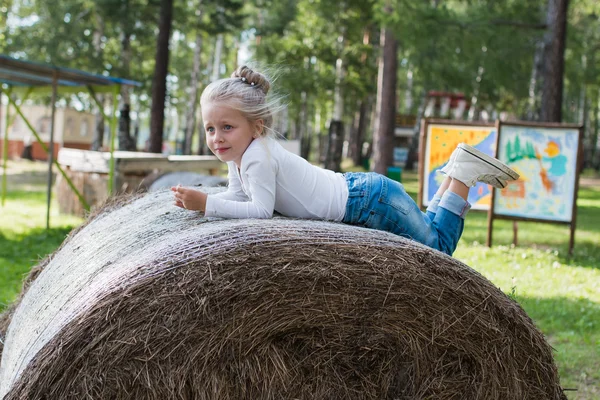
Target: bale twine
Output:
[(148, 301)]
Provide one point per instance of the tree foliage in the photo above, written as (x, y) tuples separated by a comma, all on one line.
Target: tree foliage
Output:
[(482, 48)]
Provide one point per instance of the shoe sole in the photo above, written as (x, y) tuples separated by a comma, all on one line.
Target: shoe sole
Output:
[(490, 160)]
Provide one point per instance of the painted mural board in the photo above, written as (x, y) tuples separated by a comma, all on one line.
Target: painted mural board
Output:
[(547, 160), (547, 157), (439, 138)]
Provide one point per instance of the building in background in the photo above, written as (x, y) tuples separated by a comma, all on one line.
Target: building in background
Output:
[(72, 128)]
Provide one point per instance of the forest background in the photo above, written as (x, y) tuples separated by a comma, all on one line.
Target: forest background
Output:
[(348, 70)]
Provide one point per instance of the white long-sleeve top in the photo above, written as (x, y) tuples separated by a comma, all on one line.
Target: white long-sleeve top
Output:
[(274, 179)]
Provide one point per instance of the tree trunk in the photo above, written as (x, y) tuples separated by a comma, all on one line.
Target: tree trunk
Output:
[(216, 69), (98, 139), (554, 61), (356, 143), (236, 52), (159, 82), (537, 75), (190, 116), (533, 104), (202, 147), (306, 141), (126, 142), (414, 143), (357, 131), (335, 145), (303, 118), (353, 129), (136, 127), (383, 138), (595, 156), (473, 114), (335, 139), (588, 133)]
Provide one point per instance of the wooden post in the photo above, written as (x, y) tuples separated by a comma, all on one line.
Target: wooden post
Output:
[(573, 224), (488, 241), (421, 166)]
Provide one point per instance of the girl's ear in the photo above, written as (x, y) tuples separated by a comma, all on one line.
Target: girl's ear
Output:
[(259, 126)]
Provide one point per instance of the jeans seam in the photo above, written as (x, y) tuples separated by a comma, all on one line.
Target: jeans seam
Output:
[(365, 192)]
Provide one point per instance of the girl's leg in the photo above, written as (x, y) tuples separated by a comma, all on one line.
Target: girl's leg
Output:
[(380, 203), (435, 201), (449, 220), (389, 208), (386, 206), (458, 187)]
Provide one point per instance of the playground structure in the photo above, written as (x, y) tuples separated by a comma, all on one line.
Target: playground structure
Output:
[(22, 78)]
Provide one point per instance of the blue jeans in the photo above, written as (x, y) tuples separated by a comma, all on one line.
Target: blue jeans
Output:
[(377, 202)]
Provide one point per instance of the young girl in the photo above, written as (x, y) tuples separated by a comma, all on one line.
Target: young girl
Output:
[(264, 177)]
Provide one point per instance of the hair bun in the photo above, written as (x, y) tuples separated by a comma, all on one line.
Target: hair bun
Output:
[(250, 77)]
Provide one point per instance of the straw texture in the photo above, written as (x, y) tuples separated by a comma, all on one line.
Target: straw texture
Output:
[(149, 301)]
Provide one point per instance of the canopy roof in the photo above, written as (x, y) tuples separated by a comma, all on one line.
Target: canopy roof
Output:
[(26, 74)]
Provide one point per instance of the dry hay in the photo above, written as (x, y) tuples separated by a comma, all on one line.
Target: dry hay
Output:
[(148, 301)]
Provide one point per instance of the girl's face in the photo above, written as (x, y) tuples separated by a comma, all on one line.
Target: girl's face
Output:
[(228, 131)]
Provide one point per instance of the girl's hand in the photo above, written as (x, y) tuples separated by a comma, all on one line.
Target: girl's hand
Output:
[(189, 199)]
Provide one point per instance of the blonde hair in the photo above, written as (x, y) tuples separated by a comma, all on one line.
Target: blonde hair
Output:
[(246, 91)]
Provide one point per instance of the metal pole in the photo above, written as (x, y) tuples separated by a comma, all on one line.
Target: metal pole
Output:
[(5, 147), (51, 148)]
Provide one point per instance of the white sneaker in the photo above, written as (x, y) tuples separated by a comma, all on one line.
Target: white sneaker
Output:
[(469, 166)]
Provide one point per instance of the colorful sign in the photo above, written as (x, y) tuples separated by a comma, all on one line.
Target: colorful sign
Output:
[(546, 159), (440, 142)]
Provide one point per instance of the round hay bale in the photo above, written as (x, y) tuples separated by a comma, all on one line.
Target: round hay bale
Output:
[(148, 301), (186, 179)]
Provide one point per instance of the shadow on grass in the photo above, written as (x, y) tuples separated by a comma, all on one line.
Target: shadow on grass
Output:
[(37, 179), (562, 316), (572, 329), (589, 193), (44, 240)]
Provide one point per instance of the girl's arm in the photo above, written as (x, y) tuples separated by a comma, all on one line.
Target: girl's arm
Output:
[(261, 178), (234, 186), (190, 199), (193, 199)]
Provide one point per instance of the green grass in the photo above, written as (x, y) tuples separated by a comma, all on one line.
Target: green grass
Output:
[(560, 293), (24, 239)]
